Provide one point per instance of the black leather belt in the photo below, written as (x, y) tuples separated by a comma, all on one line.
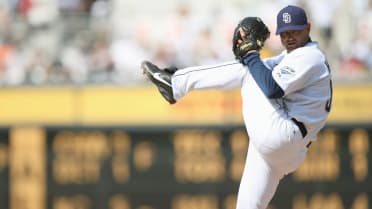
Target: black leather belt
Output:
[(302, 128)]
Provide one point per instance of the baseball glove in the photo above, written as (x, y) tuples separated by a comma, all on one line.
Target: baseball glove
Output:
[(256, 33)]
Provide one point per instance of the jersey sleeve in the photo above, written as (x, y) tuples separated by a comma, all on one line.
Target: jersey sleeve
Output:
[(297, 70)]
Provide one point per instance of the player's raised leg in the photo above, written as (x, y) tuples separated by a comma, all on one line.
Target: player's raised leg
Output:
[(226, 75)]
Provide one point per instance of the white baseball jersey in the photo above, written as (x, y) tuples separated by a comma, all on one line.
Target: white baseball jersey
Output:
[(276, 145), (305, 78)]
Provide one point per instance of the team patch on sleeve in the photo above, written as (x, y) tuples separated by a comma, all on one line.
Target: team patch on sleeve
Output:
[(285, 72)]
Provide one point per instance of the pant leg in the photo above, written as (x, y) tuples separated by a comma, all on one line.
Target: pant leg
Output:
[(226, 75), (259, 182)]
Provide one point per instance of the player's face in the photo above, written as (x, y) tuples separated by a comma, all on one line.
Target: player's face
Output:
[(294, 39)]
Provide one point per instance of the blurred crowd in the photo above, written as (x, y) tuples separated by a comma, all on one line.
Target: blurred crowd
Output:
[(80, 42)]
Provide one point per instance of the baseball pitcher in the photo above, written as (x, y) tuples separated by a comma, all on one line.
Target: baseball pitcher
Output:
[(286, 98)]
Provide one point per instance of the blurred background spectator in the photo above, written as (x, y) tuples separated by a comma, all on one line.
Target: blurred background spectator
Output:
[(66, 42)]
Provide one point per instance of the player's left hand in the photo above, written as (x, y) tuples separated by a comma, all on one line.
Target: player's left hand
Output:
[(249, 36)]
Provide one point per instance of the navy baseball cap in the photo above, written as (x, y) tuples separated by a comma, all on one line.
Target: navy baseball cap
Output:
[(290, 18)]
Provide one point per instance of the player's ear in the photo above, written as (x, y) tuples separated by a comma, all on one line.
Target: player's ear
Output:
[(308, 27)]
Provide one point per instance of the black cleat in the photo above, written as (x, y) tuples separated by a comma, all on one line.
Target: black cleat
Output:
[(161, 79)]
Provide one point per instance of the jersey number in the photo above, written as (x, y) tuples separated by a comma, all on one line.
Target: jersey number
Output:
[(329, 102)]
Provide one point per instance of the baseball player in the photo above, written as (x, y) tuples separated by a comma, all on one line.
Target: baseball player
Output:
[(286, 98)]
